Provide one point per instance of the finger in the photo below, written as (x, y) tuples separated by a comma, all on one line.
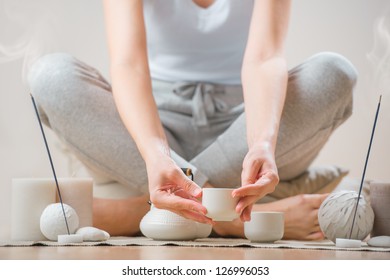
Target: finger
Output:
[(175, 203), (317, 199), (268, 180), (184, 194), (244, 202), (250, 172), (246, 214), (196, 217), (253, 189), (323, 197), (191, 187)]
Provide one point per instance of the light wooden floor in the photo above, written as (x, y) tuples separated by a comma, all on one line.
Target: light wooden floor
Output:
[(179, 253)]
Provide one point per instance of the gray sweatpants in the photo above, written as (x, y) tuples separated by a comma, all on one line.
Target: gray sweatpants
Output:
[(204, 123)]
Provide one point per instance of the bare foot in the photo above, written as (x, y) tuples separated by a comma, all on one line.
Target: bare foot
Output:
[(300, 220), (301, 216), (120, 217)]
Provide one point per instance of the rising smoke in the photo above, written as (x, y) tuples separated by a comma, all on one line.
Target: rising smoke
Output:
[(26, 28), (379, 56)]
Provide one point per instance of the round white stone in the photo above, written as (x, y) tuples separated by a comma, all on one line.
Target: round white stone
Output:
[(348, 243), (93, 234), (379, 241), (70, 238), (52, 221)]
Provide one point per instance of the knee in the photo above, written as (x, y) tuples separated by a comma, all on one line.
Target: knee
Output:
[(333, 77), (336, 70), (48, 74)]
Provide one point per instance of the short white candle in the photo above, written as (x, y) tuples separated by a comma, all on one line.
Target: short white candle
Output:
[(30, 197)]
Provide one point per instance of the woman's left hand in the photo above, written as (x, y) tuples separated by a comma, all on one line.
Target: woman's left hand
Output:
[(259, 177)]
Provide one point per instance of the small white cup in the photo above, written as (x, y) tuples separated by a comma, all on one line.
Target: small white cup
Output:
[(265, 227), (220, 204)]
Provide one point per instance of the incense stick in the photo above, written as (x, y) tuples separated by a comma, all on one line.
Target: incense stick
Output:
[(51, 162), (365, 164)]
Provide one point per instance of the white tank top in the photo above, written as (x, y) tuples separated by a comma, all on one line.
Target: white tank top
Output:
[(189, 43)]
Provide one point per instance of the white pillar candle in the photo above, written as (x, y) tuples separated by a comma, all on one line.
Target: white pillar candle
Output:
[(78, 193), (29, 198)]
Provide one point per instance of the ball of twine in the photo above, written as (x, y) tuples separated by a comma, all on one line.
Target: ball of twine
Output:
[(336, 213)]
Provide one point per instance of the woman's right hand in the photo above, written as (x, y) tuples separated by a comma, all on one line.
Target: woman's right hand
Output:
[(172, 190)]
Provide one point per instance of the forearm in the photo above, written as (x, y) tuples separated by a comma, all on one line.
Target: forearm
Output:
[(134, 100), (264, 85)]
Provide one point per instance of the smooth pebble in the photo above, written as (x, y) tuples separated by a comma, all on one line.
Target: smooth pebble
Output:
[(379, 241), (93, 234)]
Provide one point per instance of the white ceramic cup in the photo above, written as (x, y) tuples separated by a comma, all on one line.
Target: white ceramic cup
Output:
[(265, 227), (220, 204)]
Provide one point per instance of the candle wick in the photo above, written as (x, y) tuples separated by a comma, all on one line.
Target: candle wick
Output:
[(51, 162)]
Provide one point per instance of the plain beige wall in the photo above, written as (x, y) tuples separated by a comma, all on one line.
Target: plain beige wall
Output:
[(344, 26)]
